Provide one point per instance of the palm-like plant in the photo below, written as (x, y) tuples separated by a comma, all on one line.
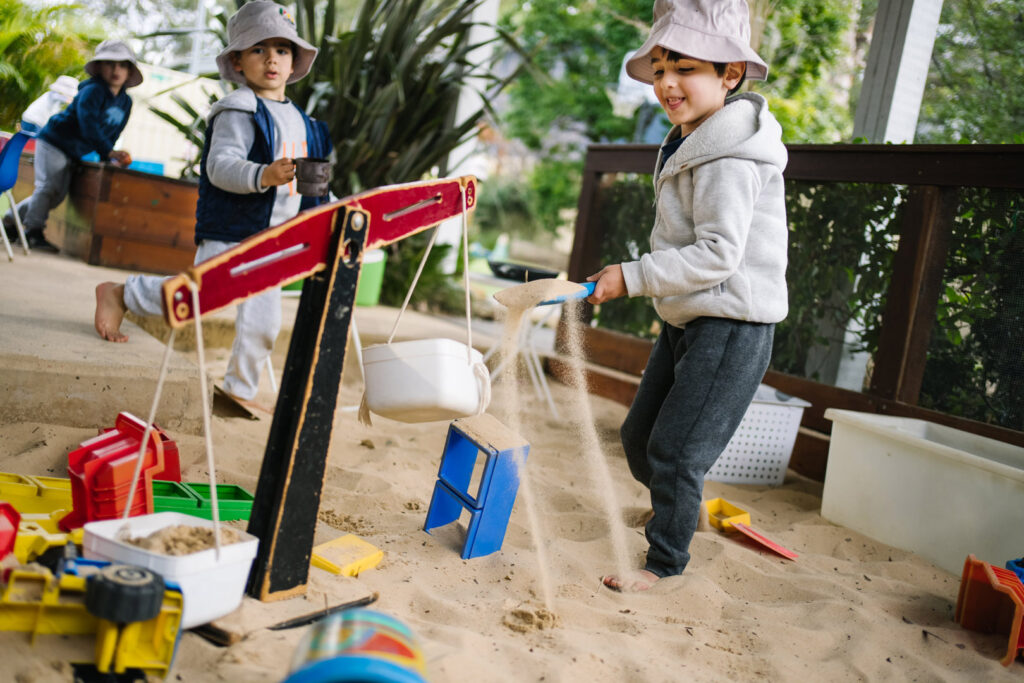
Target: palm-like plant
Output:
[(36, 46), (388, 86)]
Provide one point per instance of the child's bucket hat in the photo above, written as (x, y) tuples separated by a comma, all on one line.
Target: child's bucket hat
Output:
[(115, 51), (257, 21), (709, 30), (65, 87)]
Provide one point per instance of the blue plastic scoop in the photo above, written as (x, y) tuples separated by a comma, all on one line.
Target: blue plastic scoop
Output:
[(588, 289), (543, 293)]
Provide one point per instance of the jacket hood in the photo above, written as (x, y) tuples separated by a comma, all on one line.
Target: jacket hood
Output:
[(744, 128), (241, 99)]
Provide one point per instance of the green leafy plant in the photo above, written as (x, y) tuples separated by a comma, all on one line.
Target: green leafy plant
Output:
[(975, 365), (388, 88), (192, 127), (36, 46)]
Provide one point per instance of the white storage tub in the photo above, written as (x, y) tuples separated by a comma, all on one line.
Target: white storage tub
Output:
[(937, 491), (210, 588), (759, 451), (425, 380)]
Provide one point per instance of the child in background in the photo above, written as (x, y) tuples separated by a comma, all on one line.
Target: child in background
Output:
[(716, 270), (91, 123), (246, 182)]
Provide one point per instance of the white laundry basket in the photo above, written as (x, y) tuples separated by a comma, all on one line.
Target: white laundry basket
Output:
[(759, 451)]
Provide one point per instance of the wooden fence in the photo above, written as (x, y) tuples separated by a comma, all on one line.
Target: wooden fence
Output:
[(934, 175)]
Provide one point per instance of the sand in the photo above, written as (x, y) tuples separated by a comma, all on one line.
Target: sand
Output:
[(849, 609)]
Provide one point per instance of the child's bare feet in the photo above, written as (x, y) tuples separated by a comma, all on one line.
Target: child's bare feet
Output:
[(110, 311), (631, 582)]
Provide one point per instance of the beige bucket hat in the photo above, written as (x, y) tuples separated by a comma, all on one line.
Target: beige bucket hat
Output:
[(257, 21), (711, 30), (115, 51)]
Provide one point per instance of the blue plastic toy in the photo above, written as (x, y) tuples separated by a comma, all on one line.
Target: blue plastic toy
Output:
[(504, 452)]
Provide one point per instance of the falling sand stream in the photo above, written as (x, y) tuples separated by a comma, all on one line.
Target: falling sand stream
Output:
[(518, 300)]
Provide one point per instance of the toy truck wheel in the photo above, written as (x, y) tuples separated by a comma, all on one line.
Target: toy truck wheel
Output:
[(124, 594)]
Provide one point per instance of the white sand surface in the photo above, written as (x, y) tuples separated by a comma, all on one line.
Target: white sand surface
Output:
[(848, 609)]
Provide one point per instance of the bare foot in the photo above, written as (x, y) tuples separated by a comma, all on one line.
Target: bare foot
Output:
[(110, 311), (631, 582)]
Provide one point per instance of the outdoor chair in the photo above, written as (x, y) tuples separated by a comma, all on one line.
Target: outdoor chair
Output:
[(10, 156)]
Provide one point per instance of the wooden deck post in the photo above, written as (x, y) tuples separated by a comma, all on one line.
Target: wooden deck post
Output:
[(913, 294)]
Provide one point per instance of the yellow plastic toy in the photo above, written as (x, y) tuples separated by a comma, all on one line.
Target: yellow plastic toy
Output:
[(38, 533), (347, 555), (722, 514), (41, 604), (35, 494)]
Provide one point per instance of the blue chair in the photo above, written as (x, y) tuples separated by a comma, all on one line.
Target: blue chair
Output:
[(10, 156)]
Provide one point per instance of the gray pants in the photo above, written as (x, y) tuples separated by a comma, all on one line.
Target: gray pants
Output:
[(52, 180), (257, 323), (695, 390)]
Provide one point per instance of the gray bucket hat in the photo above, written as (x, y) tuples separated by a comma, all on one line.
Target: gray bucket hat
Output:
[(257, 21), (115, 51), (710, 30)]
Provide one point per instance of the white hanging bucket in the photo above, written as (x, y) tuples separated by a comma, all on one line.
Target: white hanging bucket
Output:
[(425, 380)]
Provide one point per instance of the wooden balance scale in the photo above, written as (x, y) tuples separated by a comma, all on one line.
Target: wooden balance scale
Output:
[(325, 245)]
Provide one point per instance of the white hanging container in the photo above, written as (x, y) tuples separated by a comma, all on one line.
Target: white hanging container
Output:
[(425, 380)]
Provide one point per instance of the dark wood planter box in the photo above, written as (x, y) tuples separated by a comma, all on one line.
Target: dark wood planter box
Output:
[(122, 219)]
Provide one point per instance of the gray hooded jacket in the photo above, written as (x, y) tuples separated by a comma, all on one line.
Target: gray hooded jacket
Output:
[(718, 247)]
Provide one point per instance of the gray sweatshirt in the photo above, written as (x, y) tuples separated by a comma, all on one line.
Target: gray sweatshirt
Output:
[(719, 243), (227, 164)]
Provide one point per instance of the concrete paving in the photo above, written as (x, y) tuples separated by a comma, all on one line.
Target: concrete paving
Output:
[(55, 369)]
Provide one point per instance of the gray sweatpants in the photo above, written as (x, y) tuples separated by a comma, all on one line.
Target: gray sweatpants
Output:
[(52, 180), (257, 323), (697, 385)]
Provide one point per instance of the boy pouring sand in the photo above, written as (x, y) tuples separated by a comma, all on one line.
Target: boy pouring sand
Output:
[(716, 269)]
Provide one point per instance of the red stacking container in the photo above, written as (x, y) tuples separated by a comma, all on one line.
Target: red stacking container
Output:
[(101, 472), (9, 520)]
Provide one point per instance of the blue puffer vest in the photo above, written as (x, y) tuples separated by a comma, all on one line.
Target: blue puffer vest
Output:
[(231, 217)]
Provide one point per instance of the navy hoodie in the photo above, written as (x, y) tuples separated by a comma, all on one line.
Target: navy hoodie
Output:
[(91, 123)]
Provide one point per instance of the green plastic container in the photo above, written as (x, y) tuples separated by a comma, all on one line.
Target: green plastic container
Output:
[(233, 501), (371, 277), (171, 496)]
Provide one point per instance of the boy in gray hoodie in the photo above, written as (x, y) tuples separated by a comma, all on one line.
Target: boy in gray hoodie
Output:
[(246, 182), (716, 270)]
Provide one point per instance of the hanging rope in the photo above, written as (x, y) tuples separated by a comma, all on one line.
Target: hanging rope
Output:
[(206, 416), (149, 424), (480, 371)]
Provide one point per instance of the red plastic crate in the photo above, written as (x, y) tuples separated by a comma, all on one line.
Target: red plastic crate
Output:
[(101, 471), (9, 520), (991, 599)]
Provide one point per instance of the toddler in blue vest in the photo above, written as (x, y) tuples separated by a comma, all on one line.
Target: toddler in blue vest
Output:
[(246, 183), (92, 122)]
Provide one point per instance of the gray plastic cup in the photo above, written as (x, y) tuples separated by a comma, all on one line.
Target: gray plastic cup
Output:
[(312, 176)]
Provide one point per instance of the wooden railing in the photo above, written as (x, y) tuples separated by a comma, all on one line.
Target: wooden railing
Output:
[(934, 174)]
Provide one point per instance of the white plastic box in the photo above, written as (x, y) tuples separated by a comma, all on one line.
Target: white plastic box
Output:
[(210, 588), (759, 451), (937, 491), (425, 380)]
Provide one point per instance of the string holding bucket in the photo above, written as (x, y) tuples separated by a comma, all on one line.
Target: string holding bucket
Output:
[(422, 380), (194, 288)]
